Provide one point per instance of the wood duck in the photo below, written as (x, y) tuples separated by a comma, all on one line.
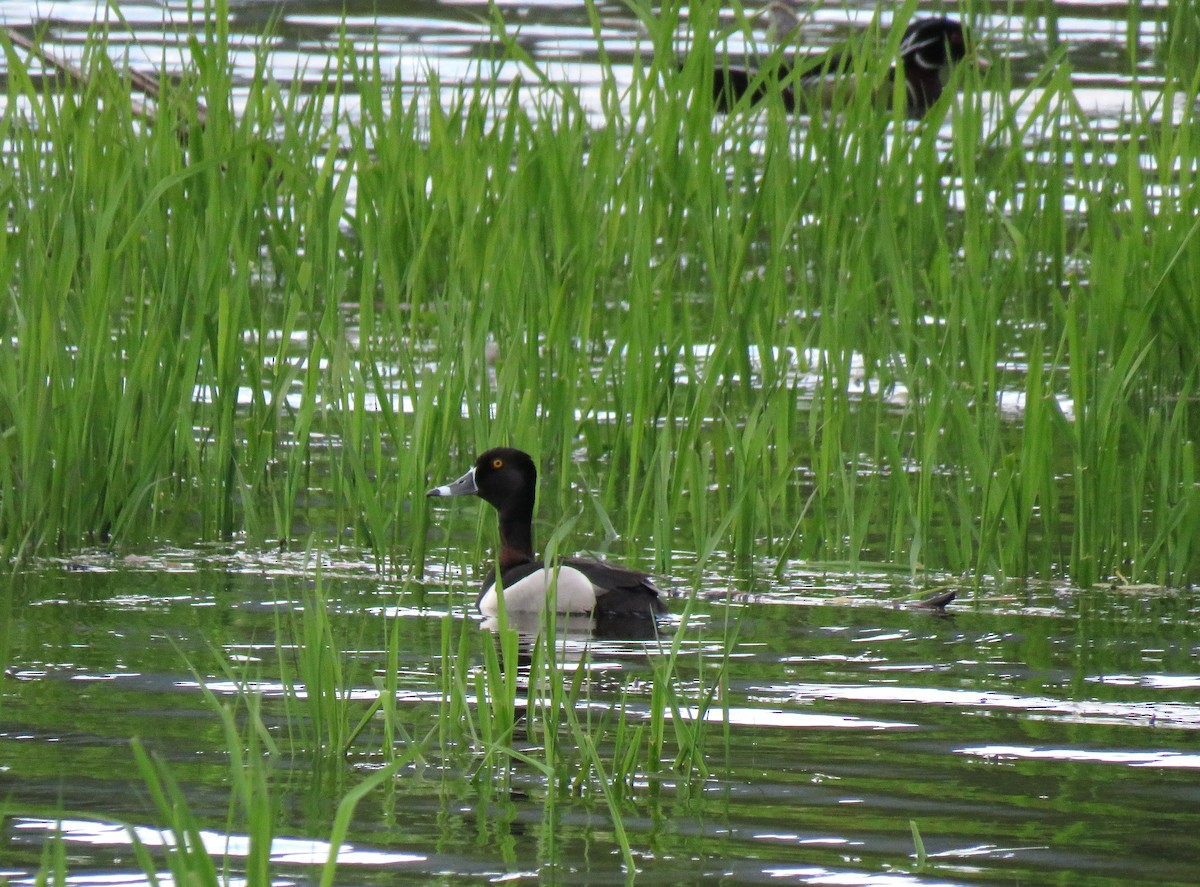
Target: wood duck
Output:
[(928, 51), (506, 479)]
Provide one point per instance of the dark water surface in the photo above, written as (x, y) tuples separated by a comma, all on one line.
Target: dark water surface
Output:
[(1035, 734)]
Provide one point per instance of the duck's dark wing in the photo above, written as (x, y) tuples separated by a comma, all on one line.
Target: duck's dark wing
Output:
[(815, 85), (732, 84), (620, 590), (831, 64)]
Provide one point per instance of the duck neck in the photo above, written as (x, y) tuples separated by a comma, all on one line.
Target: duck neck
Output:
[(516, 537)]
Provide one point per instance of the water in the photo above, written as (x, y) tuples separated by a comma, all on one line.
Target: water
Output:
[(1034, 734)]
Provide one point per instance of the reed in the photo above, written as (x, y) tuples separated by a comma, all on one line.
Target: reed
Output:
[(281, 323), (252, 814), (922, 857)]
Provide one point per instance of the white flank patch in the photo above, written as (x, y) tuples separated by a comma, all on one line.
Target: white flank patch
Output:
[(574, 593)]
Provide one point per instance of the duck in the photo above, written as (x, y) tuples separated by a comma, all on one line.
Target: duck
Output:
[(929, 49), (506, 478)]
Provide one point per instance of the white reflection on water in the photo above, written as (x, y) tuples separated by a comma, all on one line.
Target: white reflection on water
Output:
[(294, 851), (1153, 681), (769, 717), (815, 875), (1167, 759), (1174, 715), (276, 690)]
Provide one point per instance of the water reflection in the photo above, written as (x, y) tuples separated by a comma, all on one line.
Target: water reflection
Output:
[(578, 627), (841, 715), (769, 717), (1170, 759), (292, 851)]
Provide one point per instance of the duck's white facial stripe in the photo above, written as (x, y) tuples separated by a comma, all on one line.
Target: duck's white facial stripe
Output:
[(922, 62), (913, 48), (573, 592)]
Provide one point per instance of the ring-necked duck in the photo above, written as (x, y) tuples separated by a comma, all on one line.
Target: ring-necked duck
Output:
[(506, 479), (928, 50)]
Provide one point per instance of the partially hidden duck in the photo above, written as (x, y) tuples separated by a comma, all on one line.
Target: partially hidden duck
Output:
[(929, 49)]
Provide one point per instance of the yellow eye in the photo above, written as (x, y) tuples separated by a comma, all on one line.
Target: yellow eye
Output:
[(497, 463)]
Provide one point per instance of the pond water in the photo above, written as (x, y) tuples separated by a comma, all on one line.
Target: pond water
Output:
[(1031, 734)]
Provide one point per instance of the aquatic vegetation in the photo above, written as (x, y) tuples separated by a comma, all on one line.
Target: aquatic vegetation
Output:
[(966, 352)]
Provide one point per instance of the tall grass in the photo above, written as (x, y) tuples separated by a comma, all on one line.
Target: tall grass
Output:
[(799, 333)]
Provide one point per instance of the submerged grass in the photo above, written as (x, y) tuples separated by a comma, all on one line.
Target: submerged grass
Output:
[(804, 339), (181, 841)]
